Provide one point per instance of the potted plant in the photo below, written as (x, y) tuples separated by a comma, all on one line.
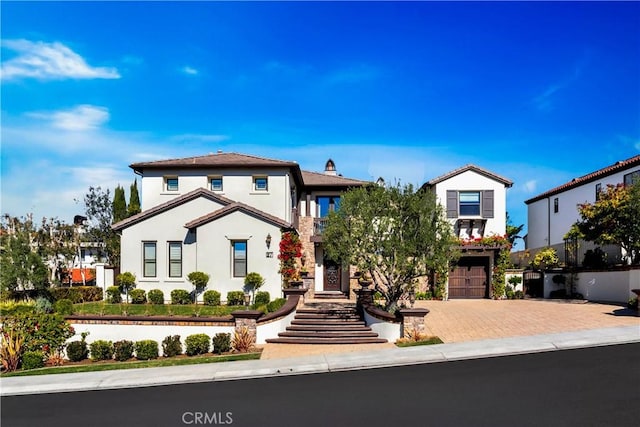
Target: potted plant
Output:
[(294, 281)]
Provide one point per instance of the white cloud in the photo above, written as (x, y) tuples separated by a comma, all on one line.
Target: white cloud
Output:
[(190, 70), (530, 186), (193, 137), (80, 118), (49, 61)]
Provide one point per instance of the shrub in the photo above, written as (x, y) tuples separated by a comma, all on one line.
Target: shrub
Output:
[(211, 297), (77, 294), (146, 349), (32, 360), (235, 298), (41, 332), (101, 350), (252, 282), (77, 350), (221, 343), (262, 298), (515, 280), (546, 258), (63, 307), (276, 304), (122, 350), (156, 296), (633, 303), (424, 295), (198, 279), (114, 296), (171, 346), (197, 344), (242, 340), (509, 293), (138, 296), (180, 296), (518, 294), (43, 305), (560, 293), (11, 346)]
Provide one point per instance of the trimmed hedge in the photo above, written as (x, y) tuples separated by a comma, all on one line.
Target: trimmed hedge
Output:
[(276, 304), (77, 294), (101, 350), (63, 306), (156, 296), (77, 351), (262, 298), (32, 360), (235, 298), (171, 346), (138, 296), (197, 344), (211, 297), (180, 296), (221, 343), (146, 349), (113, 295), (122, 350)]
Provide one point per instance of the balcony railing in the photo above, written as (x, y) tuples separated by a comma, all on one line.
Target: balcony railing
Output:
[(318, 226)]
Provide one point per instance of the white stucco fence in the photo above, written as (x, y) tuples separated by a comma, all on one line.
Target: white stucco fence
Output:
[(606, 286)]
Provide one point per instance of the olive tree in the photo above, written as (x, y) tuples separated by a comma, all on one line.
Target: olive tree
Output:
[(393, 234)]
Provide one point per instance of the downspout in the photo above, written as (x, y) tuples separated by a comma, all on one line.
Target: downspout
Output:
[(549, 222)]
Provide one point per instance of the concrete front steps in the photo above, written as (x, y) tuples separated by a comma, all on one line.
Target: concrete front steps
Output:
[(327, 323)]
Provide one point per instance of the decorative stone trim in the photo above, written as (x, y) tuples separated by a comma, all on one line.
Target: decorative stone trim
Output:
[(247, 319), (413, 321)]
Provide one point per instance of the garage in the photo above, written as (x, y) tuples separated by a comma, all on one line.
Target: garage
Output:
[(470, 278)]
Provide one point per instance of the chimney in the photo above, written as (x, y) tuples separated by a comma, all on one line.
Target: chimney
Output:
[(330, 168)]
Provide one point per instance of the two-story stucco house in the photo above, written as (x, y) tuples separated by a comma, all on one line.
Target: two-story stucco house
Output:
[(223, 214), (551, 214), (475, 203)]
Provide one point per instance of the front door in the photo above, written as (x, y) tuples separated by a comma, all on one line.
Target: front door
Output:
[(332, 276)]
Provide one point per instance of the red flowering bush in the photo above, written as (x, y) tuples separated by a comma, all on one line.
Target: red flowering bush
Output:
[(290, 251)]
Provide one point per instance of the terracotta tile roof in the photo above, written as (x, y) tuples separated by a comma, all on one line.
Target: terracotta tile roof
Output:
[(593, 176), (316, 179), (200, 192), (219, 160), (470, 167), (234, 207)]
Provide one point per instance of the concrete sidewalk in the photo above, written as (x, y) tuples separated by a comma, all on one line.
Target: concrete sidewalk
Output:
[(318, 363)]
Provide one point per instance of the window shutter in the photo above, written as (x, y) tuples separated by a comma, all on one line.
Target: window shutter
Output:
[(452, 204), (487, 204)]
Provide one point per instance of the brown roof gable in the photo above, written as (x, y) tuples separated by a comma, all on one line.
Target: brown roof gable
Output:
[(316, 179), (200, 192), (470, 167), (237, 206), (593, 176)]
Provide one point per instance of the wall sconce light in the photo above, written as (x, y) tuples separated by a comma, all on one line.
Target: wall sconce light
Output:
[(303, 259), (247, 300), (412, 297), (268, 240)]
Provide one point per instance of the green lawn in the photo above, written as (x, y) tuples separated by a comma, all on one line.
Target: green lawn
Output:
[(102, 366), (103, 308)]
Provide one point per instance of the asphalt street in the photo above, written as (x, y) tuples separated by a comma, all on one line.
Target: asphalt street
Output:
[(582, 387)]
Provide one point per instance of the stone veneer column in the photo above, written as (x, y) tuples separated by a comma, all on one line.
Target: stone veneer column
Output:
[(413, 320), (247, 319), (305, 230)]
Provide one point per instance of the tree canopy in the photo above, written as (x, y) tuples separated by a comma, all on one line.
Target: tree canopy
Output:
[(614, 219), (134, 199), (100, 217), (393, 234)]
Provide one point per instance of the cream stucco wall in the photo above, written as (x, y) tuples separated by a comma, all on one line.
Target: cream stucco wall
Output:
[(237, 186), (546, 227), (473, 181)]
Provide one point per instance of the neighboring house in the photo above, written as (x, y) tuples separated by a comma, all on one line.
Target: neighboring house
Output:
[(223, 214), (551, 214), (475, 203)]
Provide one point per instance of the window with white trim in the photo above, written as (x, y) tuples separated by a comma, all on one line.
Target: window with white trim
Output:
[(175, 259), (469, 203), (239, 257), (171, 183), (149, 255), (260, 183)]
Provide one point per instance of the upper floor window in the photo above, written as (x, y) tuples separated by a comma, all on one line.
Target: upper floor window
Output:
[(149, 259), (215, 183), (171, 183), (175, 259), (260, 183), (469, 203), (326, 204), (556, 205), (631, 178), (239, 255), (598, 191)]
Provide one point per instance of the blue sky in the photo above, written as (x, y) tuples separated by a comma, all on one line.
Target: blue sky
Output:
[(539, 92)]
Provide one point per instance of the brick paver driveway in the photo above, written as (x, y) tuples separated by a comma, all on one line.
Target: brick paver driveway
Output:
[(467, 320)]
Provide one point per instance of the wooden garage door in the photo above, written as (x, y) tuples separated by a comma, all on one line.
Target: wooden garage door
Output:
[(468, 280)]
